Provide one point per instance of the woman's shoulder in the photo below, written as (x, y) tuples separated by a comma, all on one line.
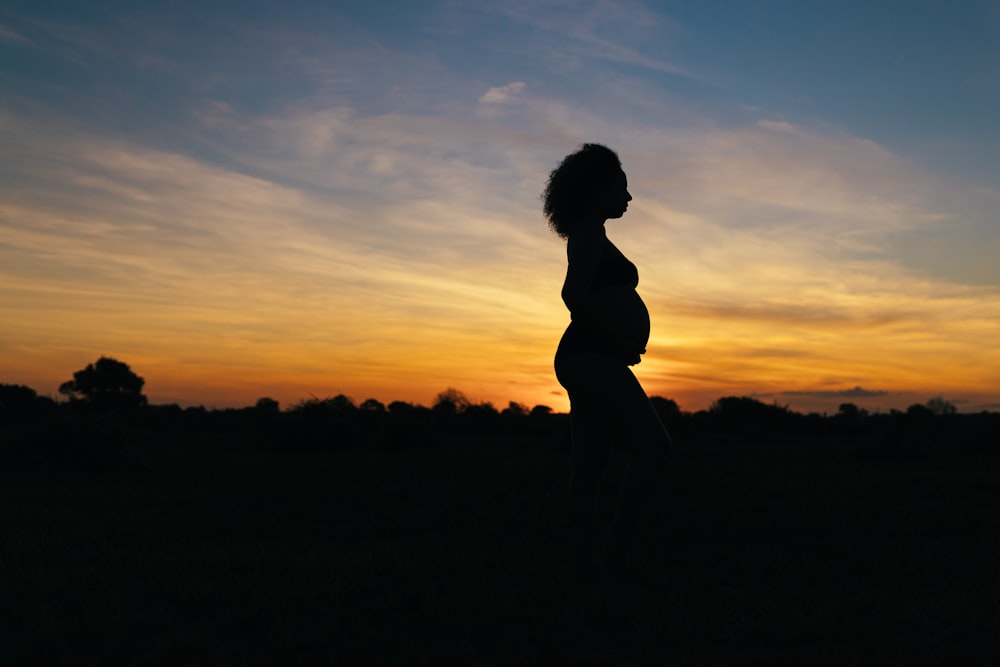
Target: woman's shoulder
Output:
[(588, 241)]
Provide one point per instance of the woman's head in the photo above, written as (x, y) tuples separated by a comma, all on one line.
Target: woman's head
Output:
[(587, 183)]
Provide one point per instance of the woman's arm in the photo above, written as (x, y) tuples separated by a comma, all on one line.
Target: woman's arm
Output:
[(585, 249)]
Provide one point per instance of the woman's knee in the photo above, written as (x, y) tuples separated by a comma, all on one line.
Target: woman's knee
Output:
[(590, 465)]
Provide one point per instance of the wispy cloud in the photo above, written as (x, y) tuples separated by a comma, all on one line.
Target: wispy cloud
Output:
[(856, 392), (503, 94), (11, 36), (590, 32)]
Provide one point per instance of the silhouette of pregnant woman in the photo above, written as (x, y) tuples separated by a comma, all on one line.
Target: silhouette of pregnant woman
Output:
[(607, 334)]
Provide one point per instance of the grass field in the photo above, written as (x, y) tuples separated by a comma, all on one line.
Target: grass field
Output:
[(227, 552)]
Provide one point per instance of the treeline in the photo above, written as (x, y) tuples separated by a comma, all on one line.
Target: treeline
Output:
[(104, 411), (339, 421), (315, 423)]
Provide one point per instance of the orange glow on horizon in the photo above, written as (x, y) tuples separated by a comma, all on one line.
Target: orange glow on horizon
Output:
[(220, 288)]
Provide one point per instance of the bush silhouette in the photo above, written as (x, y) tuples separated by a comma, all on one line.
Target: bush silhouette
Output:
[(450, 402), (327, 423), (20, 404), (749, 419)]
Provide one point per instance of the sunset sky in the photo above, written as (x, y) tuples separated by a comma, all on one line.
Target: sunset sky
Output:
[(305, 198)]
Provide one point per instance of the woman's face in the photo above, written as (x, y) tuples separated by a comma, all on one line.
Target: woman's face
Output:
[(613, 200)]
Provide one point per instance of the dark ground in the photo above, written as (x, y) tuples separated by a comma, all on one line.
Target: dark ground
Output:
[(223, 551)]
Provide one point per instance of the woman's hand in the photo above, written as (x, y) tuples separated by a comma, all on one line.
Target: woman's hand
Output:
[(630, 351)]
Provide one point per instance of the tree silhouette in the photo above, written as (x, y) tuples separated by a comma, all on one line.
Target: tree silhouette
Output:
[(851, 412), (19, 403), (16, 396), (939, 406), (106, 385), (514, 409), (267, 405), (540, 411), (749, 418), (667, 409), (450, 402), (372, 406)]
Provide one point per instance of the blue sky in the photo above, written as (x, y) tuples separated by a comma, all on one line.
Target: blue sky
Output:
[(252, 198)]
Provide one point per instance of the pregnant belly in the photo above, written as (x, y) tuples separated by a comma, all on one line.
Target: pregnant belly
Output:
[(625, 311)]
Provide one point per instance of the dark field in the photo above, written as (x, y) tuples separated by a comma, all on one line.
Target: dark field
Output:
[(227, 552)]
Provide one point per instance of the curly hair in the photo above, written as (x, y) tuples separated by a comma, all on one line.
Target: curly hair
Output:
[(570, 188)]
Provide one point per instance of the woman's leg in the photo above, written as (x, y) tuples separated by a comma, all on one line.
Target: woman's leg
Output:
[(591, 452), (608, 404), (642, 432)]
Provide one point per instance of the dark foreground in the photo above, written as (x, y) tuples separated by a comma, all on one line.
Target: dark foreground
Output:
[(228, 552)]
